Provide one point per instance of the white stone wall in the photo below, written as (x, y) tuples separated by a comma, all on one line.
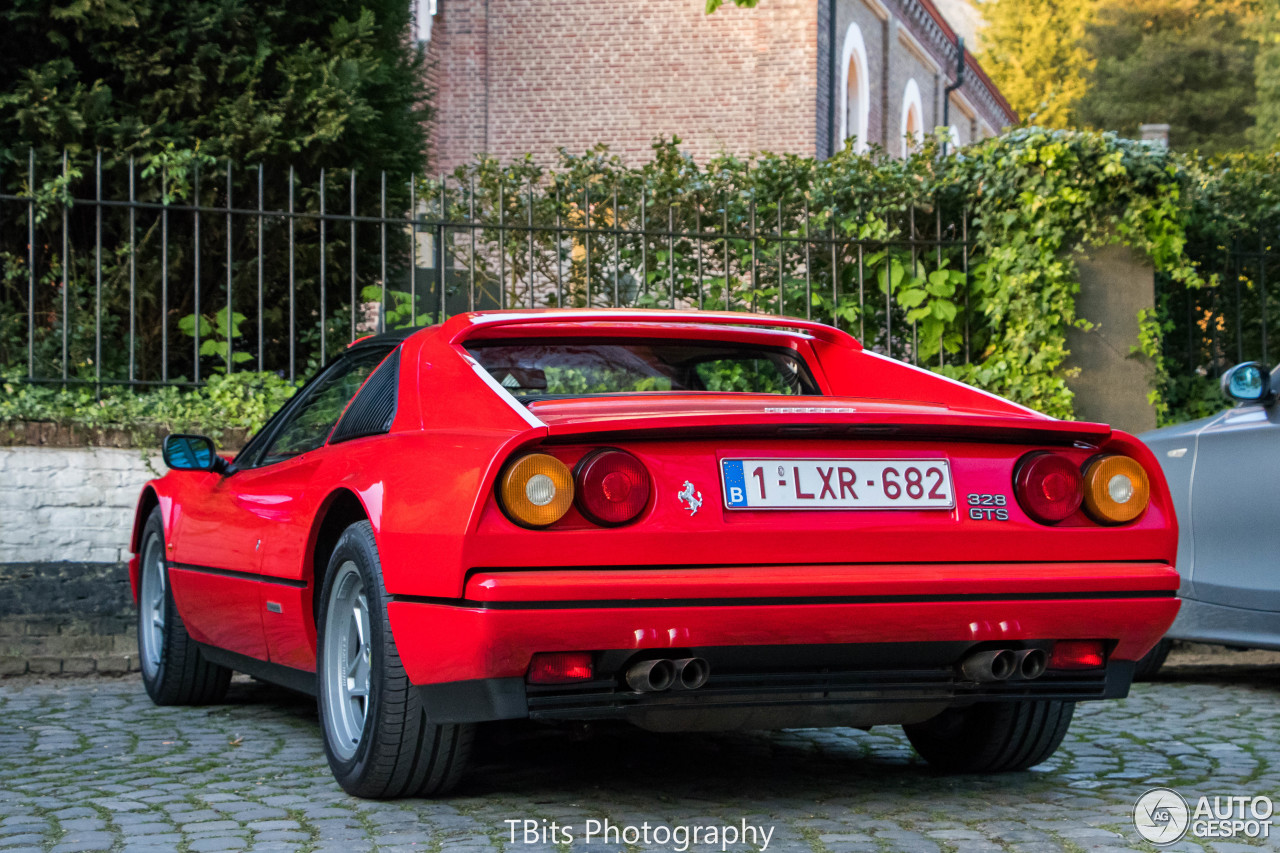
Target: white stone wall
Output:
[(76, 504)]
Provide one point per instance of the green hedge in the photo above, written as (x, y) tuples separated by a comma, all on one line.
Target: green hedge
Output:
[(224, 406)]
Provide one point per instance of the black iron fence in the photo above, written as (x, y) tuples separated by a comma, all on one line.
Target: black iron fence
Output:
[(1234, 319), (113, 274), (1232, 322)]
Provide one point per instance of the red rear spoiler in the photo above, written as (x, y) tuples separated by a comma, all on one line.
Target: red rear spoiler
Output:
[(681, 416), (464, 326)]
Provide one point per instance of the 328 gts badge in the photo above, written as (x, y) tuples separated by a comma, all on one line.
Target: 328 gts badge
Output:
[(988, 507)]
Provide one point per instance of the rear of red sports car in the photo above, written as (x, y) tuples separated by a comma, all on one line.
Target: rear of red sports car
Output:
[(701, 522)]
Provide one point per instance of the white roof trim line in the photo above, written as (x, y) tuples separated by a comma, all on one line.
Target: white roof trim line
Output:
[(507, 397), (960, 384)]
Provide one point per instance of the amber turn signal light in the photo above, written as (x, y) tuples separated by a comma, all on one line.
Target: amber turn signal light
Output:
[(536, 490), (1116, 489)]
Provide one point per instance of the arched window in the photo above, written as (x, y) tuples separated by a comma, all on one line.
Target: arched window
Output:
[(855, 90), (912, 118)]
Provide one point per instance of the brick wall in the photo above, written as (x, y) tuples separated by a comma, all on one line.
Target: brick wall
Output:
[(517, 76), (66, 619), (876, 35), (65, 518), (895, 34), (69, 504)]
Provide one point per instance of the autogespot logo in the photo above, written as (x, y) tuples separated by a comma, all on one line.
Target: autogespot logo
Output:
[(1161, 816)]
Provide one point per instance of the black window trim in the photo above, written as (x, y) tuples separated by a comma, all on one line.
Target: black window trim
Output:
[(390, 362), (267, 434)]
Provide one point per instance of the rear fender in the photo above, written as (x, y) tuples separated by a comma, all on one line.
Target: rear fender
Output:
[(1129, 445), (430, 508)]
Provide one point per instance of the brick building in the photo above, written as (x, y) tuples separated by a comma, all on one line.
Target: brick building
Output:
[(798, 76)]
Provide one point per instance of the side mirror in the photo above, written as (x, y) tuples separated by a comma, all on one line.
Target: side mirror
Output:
[(1248, 382), (192, 453)]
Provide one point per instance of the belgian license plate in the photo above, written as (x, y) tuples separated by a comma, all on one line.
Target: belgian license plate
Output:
[(837, 484)]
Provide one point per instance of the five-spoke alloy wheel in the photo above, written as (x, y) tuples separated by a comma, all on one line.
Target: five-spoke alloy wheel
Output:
[(377, 736), (346, 658), (174, 671)]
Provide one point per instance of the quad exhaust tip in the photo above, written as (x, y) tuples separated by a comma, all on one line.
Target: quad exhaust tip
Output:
[(988, 666), (1032, 663), (691, 673), (655, 676), (651, 676), (1005, 664)]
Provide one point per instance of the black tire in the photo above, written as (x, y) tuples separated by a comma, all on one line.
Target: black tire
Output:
[(176, 673), (1149, 664), (399, 753), (992, 737)]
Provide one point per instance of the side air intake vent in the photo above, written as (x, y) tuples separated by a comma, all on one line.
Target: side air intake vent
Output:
[(373, 409)]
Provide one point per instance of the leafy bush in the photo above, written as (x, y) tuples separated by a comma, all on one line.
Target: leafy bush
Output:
[(222, 408)]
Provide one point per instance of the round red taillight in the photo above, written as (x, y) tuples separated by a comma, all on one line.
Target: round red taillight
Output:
[(1049, 487), (612, 486)]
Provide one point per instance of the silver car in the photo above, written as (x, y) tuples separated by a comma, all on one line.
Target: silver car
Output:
[(1224, 474)]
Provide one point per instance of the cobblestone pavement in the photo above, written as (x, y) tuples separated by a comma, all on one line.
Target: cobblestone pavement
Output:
[(93, 765)]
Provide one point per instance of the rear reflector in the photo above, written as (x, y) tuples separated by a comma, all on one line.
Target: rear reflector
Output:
[(560, 667), (1076, 654)]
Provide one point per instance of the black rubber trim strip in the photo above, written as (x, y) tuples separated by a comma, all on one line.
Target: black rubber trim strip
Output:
[(779, 601), (232, 573), (298, 680)]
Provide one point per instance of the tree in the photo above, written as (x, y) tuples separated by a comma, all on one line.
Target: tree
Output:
[(1032, 49), (195, 94), (321, 82), (1187, 63), (1266, 133)]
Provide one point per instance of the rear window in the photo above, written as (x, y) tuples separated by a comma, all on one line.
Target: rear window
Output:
[(581, 367)]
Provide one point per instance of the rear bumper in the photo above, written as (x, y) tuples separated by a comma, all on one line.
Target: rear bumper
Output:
[(835, 642), (764, 700)]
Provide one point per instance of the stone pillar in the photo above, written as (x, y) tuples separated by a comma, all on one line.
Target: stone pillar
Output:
[(1112, 385), (1156, 134)]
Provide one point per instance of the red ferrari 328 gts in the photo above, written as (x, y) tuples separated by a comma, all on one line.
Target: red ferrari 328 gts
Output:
[(685, 520)]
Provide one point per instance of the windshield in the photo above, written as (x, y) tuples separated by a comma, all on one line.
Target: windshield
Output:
[(582, 367)]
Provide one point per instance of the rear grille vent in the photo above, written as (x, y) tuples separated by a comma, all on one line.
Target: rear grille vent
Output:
[(374, 408)]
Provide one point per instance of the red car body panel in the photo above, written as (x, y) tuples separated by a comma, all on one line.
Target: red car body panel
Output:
[(474, 595)]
